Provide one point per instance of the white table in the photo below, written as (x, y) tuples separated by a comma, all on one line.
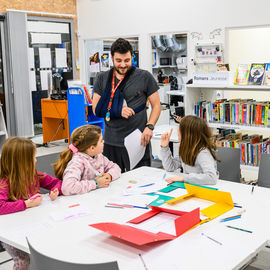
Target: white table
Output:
[(75, 241)]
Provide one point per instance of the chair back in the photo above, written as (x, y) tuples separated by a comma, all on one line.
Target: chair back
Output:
[(44, 163), (229, 165), (264, 171), (43, 262)]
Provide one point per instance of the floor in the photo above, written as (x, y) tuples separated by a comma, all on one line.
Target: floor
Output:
[(261, 263)]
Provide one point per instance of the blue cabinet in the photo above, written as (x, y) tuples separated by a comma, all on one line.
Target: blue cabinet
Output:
[(80, 112)]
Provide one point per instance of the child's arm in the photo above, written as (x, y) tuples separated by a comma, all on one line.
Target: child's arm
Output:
[(111, 168), (209, 174), (7, 207), (169, 163), (72, 183), (48, 182)]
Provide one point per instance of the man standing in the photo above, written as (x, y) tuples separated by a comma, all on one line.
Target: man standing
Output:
[(120, 96)]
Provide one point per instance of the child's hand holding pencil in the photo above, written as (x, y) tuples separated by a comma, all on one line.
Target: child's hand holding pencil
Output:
[(33, 201)]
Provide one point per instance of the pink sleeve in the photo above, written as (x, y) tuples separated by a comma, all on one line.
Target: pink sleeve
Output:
[(6, 206), (72, 183), (112, 168), (48, 182)]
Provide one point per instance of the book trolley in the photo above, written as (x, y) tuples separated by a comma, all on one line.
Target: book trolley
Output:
[(80, 110)]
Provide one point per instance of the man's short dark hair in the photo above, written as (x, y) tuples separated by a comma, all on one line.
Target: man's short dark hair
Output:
[(121, 46)]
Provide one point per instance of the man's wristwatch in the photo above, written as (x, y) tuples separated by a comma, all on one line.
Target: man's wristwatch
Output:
[(150, 126)]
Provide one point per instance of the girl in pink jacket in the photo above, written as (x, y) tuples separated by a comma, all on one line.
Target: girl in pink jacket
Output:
[(20, 186), (82, 167)]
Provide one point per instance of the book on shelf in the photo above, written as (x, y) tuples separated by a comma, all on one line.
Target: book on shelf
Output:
[(234, 111), (241, 75), (223, 67), (251, 146), (266, 80), (256, 74)]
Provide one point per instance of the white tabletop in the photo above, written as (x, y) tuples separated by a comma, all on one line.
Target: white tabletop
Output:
[(74, 240)]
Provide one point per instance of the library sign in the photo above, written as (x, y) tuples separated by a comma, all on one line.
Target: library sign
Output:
[(221, 77)]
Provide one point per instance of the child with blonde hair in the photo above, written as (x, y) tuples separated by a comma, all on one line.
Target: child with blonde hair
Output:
[(82, 167), (20, 186), (196, 153)]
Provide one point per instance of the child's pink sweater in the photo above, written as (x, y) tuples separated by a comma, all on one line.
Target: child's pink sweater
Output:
[(7, 206), (82, 169)]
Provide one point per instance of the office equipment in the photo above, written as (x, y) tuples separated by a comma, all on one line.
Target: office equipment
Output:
[(184, 222), (229, 165), (42, 262)]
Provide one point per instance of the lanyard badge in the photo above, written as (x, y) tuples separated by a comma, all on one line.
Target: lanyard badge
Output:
[(107, 117)]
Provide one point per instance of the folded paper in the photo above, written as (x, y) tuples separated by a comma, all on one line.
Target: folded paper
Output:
[(183, 223), (223, 200)]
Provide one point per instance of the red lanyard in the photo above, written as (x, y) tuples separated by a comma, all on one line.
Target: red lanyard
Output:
[(113, 90)]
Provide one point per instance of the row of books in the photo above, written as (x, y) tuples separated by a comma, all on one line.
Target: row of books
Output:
[(251, 146), (234, 111), (254, 74)]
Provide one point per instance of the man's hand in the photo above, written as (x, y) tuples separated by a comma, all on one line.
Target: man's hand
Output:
[(127, 112), (146, 136)]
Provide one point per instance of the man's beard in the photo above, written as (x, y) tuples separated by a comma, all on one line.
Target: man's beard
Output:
[(122, 73)]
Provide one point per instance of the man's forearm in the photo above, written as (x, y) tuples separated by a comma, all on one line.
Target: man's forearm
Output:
[(154, 115)]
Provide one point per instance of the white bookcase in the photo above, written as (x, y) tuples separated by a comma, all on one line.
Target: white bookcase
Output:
[(200, 92)]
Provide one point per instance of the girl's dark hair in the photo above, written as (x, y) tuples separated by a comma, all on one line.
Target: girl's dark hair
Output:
[(195, 136), (121, 46), (82, 137)]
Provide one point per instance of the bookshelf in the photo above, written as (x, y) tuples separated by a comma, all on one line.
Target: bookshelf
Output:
[(201, 92)]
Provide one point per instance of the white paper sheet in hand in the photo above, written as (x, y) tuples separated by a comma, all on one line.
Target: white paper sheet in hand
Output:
[(134, 148)]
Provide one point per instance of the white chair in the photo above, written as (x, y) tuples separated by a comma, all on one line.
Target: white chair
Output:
[(229, 165), (43, 262)]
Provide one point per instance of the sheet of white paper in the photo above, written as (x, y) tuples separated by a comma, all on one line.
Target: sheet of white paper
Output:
[(45, 58), (31, 59), (190, 204), (95, 68), (137, 200), (66, 214), (45, 78), (61, 57), (134, 148), (43, 38), (32, 80), (162, 222)]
